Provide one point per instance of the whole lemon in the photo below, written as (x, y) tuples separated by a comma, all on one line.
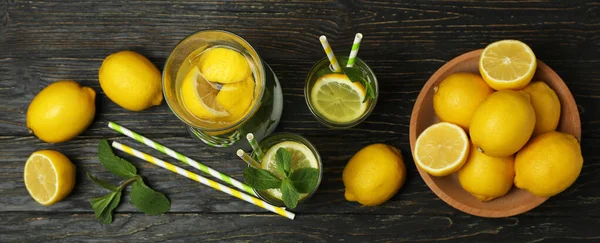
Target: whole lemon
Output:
[(549, 164), (457, 97), (374, 174), (546, 105), (61, 111), (224, 65), (503, 123), (131, 80), (487, 177)]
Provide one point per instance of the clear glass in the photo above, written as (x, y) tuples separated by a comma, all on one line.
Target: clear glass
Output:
[(277, 138), (323, 67), (267, 101)]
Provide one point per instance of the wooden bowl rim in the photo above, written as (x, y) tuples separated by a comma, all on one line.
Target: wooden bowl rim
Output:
[(428, 178)]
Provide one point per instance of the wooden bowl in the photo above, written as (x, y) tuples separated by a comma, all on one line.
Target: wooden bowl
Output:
[(447, 188)]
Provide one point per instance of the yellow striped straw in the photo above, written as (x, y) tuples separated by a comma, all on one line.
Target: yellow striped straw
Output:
[(330, 55), (203, 180), (246, 158)]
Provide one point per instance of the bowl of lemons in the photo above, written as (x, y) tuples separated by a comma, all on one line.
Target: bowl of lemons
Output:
[(496, 132)]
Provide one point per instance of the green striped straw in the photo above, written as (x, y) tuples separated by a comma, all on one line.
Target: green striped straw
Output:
[(354, 52), (181, 157), (254, 144), (246, 158)]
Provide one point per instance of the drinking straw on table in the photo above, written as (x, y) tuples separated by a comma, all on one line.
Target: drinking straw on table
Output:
[(203, 180), (330, 55), (354, 51), (246, 158), (254, 144), (181, 157)]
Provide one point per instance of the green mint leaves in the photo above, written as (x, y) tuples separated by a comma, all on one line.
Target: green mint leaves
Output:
[(302, 180), (141, 196), (355, 75)]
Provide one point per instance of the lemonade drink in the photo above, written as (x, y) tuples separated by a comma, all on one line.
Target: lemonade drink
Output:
[(304, 155), (216, 83), (334, 99)]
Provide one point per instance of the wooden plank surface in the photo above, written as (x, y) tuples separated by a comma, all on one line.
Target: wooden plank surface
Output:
[(405, 42)]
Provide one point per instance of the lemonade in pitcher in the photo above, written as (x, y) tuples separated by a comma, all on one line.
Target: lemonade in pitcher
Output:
[(216, 83)]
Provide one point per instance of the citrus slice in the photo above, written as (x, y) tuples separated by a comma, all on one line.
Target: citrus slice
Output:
[(337, 98), (302, 157), (237, 98), (224, 65), (199, 96), (442, 149), (49, 176), (507, 64)]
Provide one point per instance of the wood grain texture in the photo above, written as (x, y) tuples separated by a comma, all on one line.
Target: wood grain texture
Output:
[(405, 42)]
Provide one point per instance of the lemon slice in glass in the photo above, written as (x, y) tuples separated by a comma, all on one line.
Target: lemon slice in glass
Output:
[(199, 96), (302, 157), (338, 99)]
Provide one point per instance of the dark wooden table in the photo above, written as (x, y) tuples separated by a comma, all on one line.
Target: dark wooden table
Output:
[(405, 42)]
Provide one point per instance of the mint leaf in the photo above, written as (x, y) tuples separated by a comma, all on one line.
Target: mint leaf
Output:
[(113, 163), (104, 206), (147, 200), (284, 161), (102, 183), (323, 72), (355, 75), (289, 193), (305, 179), (260, 179)]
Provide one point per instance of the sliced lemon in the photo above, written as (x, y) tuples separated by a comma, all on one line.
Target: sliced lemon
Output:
[(237, 98), (224, 65), (199, 96), (49, 176), (302, 157), (442, 149), (338, 99), (507, 64)]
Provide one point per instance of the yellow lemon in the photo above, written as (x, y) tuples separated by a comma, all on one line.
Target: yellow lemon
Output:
[(503, 123), (546, 106), (457, 97), (61, 111), (441, 149), (507, 64), (49, 176), (374, 175), (199, 96), (131, 80), (487, 177), (224, 65), (549, 164), (237, 98)]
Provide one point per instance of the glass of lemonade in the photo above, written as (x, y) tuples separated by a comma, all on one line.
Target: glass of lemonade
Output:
[(334, 99), (304, 155), (216, 83)]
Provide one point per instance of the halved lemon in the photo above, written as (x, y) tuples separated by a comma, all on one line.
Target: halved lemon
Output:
[(442, 149), (302, 157), (49, 176), (507, 64), (199, 96), (338, 99)]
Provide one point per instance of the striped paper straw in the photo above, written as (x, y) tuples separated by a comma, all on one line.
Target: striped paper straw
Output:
[(330, 55), (246, 158), (355, 45), (181, 157), (254, 144), (203, 180)]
